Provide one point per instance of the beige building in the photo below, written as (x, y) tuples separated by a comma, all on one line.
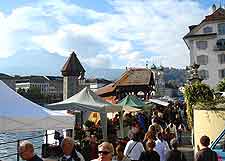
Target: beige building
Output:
[(208, 122), (206, 42)]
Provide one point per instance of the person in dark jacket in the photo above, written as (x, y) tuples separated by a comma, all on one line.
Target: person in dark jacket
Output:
[(174, 154), (26, 151), (150, 154), (205, 153)]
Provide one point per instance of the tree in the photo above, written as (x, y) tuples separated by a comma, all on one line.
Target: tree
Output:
[(196, 93), (33, 94), (221, 86)]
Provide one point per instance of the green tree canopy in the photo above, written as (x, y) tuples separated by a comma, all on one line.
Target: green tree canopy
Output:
[(221, 86), (196, 93)]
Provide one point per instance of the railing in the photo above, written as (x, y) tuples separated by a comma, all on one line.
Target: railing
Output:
[(18, 144)]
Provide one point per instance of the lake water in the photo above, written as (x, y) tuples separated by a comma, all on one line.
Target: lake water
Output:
[(7, 149)]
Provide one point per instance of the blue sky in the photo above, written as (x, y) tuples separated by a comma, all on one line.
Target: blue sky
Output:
[(104, 33)]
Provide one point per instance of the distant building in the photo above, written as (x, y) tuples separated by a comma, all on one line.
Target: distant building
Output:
[(50, 86), (94, 84), (27, 82), (206, 42), (159, 79), (8, 80)]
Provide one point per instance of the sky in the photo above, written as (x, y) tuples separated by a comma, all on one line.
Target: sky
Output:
[(103, 33)]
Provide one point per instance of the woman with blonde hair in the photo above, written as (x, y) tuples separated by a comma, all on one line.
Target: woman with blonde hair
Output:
[(105, 152)]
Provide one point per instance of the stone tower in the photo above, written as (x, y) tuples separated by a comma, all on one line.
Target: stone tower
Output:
[(71, 71)]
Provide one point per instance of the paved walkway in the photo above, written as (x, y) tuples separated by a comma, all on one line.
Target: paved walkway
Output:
[(187, 147)]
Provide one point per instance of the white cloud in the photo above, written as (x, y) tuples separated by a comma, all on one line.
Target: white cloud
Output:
[(136, 32), (98, 61)]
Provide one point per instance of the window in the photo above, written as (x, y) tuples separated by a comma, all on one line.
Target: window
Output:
[(207, 29), (220, 44), (221, 28), (222, 73), (204, 74), (221, 58), (202, 60), (201, 45)]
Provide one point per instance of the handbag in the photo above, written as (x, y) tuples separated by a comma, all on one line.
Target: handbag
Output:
[(131, 150)]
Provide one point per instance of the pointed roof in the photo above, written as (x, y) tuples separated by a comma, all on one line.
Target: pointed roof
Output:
[(72, 67), (217, 15), (131, 77)]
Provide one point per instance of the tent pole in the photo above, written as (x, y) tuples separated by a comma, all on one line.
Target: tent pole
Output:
[(103, 116), (121, 125), (73, 131)]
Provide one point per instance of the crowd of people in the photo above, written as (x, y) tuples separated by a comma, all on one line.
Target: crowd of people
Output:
[(133, 151), (151, 137)]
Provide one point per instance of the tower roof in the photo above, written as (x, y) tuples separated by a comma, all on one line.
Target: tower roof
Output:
[(72, 67), (153, 66)]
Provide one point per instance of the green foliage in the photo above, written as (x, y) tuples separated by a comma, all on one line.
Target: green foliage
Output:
[(172, 84), (33, 94), (221, 86), (194, 94), (177, 75)]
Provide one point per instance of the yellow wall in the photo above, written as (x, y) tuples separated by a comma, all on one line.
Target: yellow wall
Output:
[(208, 122)]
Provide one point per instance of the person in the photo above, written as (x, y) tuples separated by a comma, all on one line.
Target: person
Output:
[(26, 151), (93, 147), (59, 135), (205, 153), (181, 129), (105, 152), (155, 117), (174, 154), (150, 154), (167, 136), (69, 151), (120, 156), (161, 147), (173, 129), (134, 148)]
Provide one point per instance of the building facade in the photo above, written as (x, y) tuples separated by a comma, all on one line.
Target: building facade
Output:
[(158, 74), (49, 86), (8, 80), (206, 42)]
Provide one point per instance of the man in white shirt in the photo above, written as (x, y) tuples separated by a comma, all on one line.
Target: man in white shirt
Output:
[(161, 147), (134, 148)]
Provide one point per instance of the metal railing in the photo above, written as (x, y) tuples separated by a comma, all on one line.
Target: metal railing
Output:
[(18, 144)]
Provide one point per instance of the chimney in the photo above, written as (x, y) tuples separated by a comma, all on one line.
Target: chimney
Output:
[(213, 8)]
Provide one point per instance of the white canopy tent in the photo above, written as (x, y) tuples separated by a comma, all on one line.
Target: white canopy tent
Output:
[(85, 100), (159, 102), (19, 114)]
